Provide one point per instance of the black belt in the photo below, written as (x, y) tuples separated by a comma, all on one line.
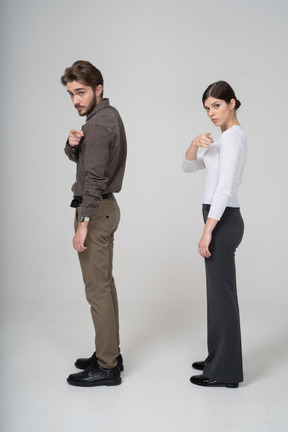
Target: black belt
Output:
[(108, 196), (77, 200)]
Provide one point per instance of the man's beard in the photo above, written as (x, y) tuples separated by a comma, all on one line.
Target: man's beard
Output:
[(89, 107)]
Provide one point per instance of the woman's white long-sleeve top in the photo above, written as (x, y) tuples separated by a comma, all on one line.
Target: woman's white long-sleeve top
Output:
[(224, 161)]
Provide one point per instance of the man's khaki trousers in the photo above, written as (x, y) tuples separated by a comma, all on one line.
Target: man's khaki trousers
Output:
[(96, 265)]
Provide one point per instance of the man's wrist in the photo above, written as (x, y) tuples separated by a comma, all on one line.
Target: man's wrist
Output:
[(72, 146), (82, 218)]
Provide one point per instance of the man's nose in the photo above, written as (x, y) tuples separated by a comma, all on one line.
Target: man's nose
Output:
[(75, 100)]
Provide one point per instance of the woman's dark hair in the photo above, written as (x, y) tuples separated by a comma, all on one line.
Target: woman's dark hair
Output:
[(221, 90), (84, 72)]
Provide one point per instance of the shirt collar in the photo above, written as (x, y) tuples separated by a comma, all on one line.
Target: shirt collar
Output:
[(103, 104)]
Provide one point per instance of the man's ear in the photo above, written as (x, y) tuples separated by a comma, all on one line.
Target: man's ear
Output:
[(99, 91)]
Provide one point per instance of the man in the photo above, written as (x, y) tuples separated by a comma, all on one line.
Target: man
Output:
[(99, 150)]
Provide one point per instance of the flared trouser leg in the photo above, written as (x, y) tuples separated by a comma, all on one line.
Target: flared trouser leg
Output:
[(224, 362)]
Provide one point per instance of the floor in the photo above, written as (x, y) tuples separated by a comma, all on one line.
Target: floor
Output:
[(40, 346)]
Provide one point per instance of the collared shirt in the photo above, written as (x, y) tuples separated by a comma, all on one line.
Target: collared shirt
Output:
[(100, 156)]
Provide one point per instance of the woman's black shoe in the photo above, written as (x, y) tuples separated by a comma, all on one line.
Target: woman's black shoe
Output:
[(199, 365), (201, 380)]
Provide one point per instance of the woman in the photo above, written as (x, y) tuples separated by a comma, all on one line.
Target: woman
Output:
[(224, 161)]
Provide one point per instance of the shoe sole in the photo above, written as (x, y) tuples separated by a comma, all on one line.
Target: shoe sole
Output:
[(113, 382), (228, 385)]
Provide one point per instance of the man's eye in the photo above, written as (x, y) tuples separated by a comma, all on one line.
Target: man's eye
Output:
[(81, 93), (216, 105)]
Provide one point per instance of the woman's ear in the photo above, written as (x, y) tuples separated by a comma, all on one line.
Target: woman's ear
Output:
[(232, 104)]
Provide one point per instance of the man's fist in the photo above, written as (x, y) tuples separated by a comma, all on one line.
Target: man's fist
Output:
[(75, 137)]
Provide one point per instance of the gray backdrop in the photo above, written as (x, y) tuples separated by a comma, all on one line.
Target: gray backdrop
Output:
[(157, 57)]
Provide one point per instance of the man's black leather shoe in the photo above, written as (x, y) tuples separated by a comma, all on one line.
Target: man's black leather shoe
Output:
[(201, 380), (199, 365), (84, 363), (95, 375)]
